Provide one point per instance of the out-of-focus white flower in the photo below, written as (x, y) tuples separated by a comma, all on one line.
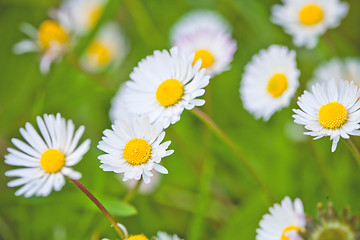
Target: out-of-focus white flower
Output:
[(270, 81), (165, 236), (52, 39), (208, 35), (108, 48), (306, 20), (338, 69), (84, 14)]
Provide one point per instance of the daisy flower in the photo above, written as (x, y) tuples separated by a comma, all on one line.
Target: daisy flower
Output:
[(347, 69), (331, 109), (165, 236), (108, 48), (134, 148), (46, 158), (305, 20), (269, 82), (284, 221), (84, 13), (207, 34), (164, 84), (52, 40)]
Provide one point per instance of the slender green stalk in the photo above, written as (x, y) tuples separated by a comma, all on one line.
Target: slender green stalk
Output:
[(355, 151), (100, 206), (144, 23), (323, 167), (221, 134), (132, 192)]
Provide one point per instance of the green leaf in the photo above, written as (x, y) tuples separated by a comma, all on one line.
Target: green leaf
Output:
[(116, 207)]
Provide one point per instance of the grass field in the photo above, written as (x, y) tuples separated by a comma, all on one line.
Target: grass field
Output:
[(208, 193)]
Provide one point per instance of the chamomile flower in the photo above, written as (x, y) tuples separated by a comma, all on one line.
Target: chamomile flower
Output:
[(269, 82), (338, 69), (47, 158), (134, 148), (284, 222), (84, 13), (164, 84), (52, 40), (306, 20), (108, 48), (206, 34), (165, 236), (331, 109)]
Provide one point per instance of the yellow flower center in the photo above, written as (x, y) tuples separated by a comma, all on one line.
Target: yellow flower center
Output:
[(311, 14), (137, 151), (51, 31), (333, 115), (137, 237), (100, 52), (169, 92), (207, 59), (277, 85), (95, 15), (52, 160), (287, 229)]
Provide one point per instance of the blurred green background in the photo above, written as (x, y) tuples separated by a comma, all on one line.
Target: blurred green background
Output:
[(208, 194)]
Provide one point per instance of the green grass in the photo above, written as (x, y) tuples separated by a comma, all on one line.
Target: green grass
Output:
[(208, 194)]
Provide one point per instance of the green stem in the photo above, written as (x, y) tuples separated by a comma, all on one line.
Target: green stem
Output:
[(221, 134), (132, 192), (324, 169), (355, 151), (100, 206), (144, 23)]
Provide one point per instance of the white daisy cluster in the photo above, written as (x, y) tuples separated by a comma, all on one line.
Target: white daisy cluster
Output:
[(47, 158), (75, 18), (331, 109), (306, 20), (284, 222), (270, 81), (208, 35), (161, 87)]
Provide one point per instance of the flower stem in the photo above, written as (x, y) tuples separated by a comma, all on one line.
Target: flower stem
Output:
[(220, 133), (100, 206), (132, 192), (355, 151)]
